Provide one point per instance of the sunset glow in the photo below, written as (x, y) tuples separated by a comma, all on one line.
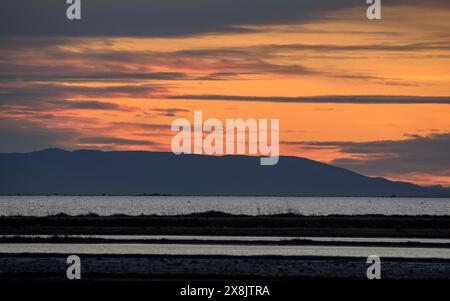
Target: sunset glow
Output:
[(123, 92)]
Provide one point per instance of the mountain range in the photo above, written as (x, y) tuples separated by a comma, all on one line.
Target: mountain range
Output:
[(91, 172)]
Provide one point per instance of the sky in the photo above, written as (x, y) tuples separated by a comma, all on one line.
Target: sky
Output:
[(370, 96)]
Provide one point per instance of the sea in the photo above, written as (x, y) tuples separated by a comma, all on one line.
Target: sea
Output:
[(178, 205)]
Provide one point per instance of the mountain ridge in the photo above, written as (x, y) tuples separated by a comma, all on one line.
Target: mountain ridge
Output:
[(95, 172)]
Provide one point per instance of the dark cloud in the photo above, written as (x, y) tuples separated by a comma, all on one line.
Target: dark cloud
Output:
[(91, 105), (229, 62), (63, 76), (417, 154), (272, 50), (114, 141), (157, 17), (169, 112), (36, 106), (373, 99), (167, 17), (422, 46), (41, 131), (115, 65), (57, 91), (221, 76), (138, 126), (50, 96), (29, 136)]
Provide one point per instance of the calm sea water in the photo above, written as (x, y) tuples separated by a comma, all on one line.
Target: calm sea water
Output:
[(170, 205)]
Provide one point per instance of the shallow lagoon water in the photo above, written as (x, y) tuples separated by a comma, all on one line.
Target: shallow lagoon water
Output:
[(230, 250)]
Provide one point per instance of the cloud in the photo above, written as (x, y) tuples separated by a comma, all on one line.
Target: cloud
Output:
[(114, 141), (167, 17), (415, 155), (63, 76), (169, 112), (50, 63), (36, 106), (26, 135), (47, 97), (136, 126), (157, 17), (25, 91), (369, 99), (90, 105), (422, 46), (115, 65), (274, 50), (39, 131)]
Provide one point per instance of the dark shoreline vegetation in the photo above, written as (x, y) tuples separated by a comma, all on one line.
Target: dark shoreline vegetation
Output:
[(56, 239), (219, 223)]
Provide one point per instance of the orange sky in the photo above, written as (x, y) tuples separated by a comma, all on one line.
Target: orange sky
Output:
[(406, 53)]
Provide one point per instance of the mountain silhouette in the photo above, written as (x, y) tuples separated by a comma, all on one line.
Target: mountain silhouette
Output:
[(90, 172)]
